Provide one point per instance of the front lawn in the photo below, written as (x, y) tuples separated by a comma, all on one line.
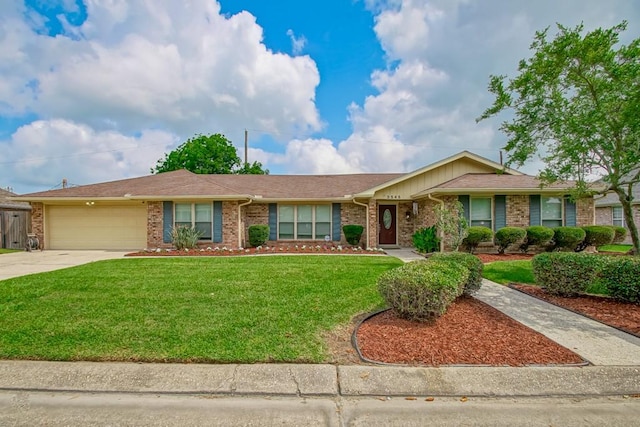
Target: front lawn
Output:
[(246, 309), (505, 272), (615, 248), (8, 251)]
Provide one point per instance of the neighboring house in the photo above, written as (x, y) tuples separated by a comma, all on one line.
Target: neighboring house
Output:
[(140, 212), (609, 210), (14, 221)]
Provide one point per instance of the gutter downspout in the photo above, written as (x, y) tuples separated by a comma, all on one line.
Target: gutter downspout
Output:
[(366, 206), (240, 228), (441, 204)]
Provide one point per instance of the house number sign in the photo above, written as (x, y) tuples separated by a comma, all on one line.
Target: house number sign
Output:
[(392, 196), (386, 219)]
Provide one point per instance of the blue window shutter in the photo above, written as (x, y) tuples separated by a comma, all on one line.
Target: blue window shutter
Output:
[(535, 214), (570, 214), (273, 221), (500, 203), (167, 221), (465, 200), (217, 222), (336, 222)]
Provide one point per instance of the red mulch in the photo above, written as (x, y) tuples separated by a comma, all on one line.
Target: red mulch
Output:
[(486, 258), (470, 332), (614, 313)]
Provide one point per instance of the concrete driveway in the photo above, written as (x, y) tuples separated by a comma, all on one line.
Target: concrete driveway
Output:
[(22, 263)]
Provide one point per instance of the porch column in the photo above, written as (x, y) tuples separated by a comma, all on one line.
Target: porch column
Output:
[(372, 217)]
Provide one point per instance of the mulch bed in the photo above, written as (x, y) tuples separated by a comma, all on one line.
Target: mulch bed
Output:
[(469, 333), (265, 250), (624, 316), (487, 258)]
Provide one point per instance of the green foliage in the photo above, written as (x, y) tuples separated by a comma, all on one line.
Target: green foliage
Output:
[(615, 248), (567, 238), (422, 290), (621, 277), (184, 237), (477, 235), (352, 233), (508, 236), (596, 235), (506, 272), (426, 240), (567, 273), (575, 104), (451, 223), (258, 235), (207, 154), (468, 261), (537, 235), (619, 233)]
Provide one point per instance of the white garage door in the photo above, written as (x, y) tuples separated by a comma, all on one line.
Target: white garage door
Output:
[(97, 227)]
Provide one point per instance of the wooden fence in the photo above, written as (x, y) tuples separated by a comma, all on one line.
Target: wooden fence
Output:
[(13, 229)]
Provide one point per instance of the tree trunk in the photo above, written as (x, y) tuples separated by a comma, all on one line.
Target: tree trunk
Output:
[(627, 210)]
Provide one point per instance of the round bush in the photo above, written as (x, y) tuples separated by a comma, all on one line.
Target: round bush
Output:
[(537, 235), (567, 273), (352, 233), (596, 235), (619, 233), (508, 236), (567, 238), (621, 277), (258, 235), (468, 261), (422, 290), (477, 235)]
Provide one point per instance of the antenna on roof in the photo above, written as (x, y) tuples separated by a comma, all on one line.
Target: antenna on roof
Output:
[(500, 157), (64, 182), (246, 146)]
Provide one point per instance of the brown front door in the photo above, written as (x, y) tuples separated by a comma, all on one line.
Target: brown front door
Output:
[(387, 220)]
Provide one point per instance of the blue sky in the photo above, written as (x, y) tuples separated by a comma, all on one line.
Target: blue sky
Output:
[(96, 90)]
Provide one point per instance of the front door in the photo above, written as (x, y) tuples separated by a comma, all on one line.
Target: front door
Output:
[(387, 220)]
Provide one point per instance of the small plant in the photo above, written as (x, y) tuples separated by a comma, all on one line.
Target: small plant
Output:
[(468, 261), (184, 237), (258, 235), (619, 233), (508, 236), (476, 236), (596, 235), (422, 290), (426, 240), (353, 233), (451, 224), (537, 235), (567, 238), (567, 273), (621, 278)]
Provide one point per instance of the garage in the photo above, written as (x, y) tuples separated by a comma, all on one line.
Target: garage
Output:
[(96, 227)]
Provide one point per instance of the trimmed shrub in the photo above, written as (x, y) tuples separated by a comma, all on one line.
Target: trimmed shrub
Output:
[(619, 233), (508, 236), (422, 290), (567, 273), (426, 239), (537, 235), (468, 261), (596, 235), (184, 237), (352, 233), (621, 276), (567, 238), (258, 235), (476, 236)]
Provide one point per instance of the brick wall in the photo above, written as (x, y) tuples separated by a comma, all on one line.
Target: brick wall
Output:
[(585, 212), (373, 223), (229, 224), (37, 221), (406, 227), (155, 226), (517, 211)]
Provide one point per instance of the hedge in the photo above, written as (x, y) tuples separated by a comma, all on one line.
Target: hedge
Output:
[(508, 236), (258, 235), (352, 233), (621, 276), (475, 236), (567, 238), (567, 273), (596, 235), (537, 235)]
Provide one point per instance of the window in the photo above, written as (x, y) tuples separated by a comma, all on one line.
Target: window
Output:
[(197, 215), (618, 217), (480, 214), (304, 222), (551, 211)]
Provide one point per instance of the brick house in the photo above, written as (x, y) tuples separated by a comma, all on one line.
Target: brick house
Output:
[(139, 213), (609, 210)]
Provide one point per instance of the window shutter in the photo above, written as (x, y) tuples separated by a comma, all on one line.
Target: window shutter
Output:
[(217, 222), (465, 200), (570, 215), (500, 203), (273, 221), (534, 210), (335, 221), (167, 221)]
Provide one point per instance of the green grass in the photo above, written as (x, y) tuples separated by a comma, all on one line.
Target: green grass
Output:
[(8, 251), (245, 309), (505, 272), (615, 248)]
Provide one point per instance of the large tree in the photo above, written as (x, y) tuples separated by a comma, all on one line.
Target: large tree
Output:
[(576, 104), (207, 154)]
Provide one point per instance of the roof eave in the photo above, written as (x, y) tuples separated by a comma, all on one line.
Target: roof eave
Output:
[(506, 191)]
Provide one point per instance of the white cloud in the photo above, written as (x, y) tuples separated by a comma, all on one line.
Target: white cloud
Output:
[(297, 43)]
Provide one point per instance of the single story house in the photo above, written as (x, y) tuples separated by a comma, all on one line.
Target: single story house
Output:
[(139, 213), (609, 210), (15, 221)]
